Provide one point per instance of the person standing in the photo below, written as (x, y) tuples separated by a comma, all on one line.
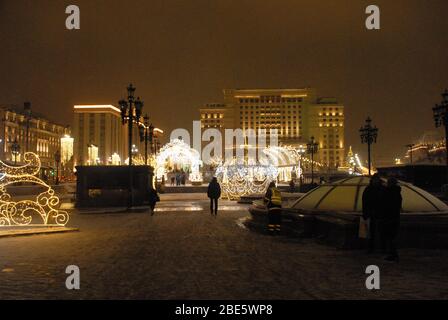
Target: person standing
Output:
[(273, 200), (292, 186), (153, 199), (183, 178), (373, 208), (214, 193), (391, 221), (177, 179)]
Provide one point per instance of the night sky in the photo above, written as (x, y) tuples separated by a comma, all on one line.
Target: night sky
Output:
[(181, 54)]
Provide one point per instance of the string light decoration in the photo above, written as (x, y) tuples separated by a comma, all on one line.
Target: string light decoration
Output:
[(178, 152), (24, 213), (243, 178), (287, 160)]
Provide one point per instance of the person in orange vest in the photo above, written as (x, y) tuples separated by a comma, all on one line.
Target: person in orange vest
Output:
[(273, 201)]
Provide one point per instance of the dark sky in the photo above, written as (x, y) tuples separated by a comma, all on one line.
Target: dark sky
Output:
[(181, 54)]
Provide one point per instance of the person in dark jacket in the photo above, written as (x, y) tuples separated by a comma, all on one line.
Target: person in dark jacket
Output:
[(292, 186), (391, 220), (153, 199), (214, 193), (372, 208), (273, 201)]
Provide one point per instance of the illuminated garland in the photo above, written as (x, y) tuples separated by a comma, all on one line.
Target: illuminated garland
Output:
[(21, 213), (240, 179), (179, 152)]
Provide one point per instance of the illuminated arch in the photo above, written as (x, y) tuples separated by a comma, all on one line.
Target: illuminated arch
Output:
[(244, 178), (287, 159), (179, 152)]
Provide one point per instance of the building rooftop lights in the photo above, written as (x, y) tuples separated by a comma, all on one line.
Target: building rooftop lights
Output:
[(87, 107)]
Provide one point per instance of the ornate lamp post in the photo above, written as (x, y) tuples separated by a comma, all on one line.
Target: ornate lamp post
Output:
[(131, 110), (57, 159), (312, 147), (27, 109), (368, 135), (440, 112), (146, 134), (15, 150)]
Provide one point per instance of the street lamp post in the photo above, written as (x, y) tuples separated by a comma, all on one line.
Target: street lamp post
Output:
[(57, 159), (27, 109), (15, 150), (131, 110), (312, 148), (369, 135), (440, 112), (146, 135)]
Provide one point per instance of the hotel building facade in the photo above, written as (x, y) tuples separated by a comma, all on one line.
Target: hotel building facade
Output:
[(297, 114), (101, 138), (32, 132)]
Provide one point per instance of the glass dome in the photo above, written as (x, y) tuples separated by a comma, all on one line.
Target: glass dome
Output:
[(346, 196)]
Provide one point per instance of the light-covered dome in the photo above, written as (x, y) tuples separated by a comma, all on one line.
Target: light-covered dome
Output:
[(346, 196)]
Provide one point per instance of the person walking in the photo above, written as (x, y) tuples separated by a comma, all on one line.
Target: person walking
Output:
[(273, 200), (373, 209), (214, 193), (391, 220), (153, 199)]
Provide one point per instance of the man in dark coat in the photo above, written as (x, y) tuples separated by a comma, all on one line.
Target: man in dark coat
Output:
[(372, 208), (391, 220), (273, 201), (153, 199), (214, 193)]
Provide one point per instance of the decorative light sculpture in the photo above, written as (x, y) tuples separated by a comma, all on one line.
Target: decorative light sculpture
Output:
[(115, 159), (287, 159), (179, 152), (92, 151), (242, 178), (24, 212), (66, 148)]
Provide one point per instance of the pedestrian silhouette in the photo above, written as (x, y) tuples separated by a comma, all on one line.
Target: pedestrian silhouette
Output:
[(373, 209), (214, 193), (273, 200), (153, 199), (391, 220)]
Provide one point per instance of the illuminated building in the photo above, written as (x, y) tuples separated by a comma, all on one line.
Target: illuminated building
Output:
[(44, 136), (98, 125), (429, 149), (101, 126), (297, 114), (66, 148)]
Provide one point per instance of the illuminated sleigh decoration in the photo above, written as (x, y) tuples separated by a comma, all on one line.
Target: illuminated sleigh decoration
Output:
[(23, 212)]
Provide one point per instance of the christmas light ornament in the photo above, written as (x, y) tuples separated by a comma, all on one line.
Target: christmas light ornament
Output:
[(41, 211)]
